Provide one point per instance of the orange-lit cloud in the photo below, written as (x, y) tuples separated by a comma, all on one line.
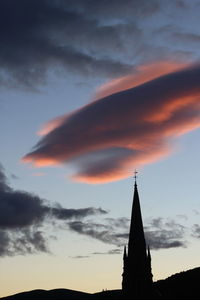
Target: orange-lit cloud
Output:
[(42, 162), (131, 125), (49, 126), (124, 169), (143, 73)]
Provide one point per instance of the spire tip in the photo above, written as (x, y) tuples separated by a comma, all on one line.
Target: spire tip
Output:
[(135, 177)]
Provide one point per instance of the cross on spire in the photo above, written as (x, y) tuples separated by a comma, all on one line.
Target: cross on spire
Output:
[(135, 176)]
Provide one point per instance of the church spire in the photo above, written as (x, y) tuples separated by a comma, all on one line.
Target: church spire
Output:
[(137, 244), (137, 278)]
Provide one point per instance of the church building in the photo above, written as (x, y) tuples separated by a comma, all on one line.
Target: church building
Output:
[(137, 280)]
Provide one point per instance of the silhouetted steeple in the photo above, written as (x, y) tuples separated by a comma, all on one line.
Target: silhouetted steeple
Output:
[(137, 277), (136, 244)]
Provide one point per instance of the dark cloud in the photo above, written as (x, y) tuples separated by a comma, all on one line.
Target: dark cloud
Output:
[(85, 37), (181, 4), (109, 252), (115, 9), (160, 233), (196, 231), (13, 176), (122, 236), (22, 216), (186, 37), (102, 232), (175, 41), (183, 217), (3, 180), (65, 214), (185, 41), (125, 129), (80, 256), (27, 240), (122, 223)]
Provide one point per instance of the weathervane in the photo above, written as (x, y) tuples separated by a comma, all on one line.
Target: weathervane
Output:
[(135, 176)]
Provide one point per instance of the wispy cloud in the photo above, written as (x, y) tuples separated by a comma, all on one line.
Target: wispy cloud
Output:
[(164, 234), (160, 233), (110, 136), (23, 216), (196, 231), (79, 256), (109, 252)]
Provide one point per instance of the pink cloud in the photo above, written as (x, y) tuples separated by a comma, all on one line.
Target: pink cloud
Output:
[(131, 125), (48, 127), (142, 74)]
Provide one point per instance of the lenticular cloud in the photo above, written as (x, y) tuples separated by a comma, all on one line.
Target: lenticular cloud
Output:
[(131, 123)]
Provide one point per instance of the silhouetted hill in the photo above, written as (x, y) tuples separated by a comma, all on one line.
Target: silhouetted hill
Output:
[(112, 295), (52, 294), (181, 285)]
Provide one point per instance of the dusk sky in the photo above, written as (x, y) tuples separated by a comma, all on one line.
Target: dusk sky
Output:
[(90, 91)]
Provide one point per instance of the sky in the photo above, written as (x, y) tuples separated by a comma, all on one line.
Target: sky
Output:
[(91, 91)]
